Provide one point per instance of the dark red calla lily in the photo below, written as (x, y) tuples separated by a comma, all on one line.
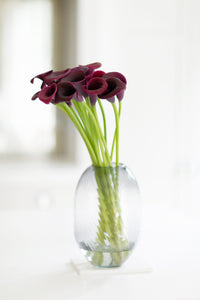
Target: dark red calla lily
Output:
[(94, 87), (47, 94), (77, 78), (65, 92), (115, 87)]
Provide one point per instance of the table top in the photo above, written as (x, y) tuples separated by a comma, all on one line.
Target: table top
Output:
[(38, 249)]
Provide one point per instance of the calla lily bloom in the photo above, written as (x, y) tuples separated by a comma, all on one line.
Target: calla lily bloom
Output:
[(65, 92), (94, 87), (77, 78), (115, 87), (48, 93)]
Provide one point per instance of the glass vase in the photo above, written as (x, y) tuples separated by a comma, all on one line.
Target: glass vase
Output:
[(107, 214)]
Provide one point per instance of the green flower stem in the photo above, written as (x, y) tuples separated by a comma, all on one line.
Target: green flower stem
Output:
[(92, 113), (114, 138), (104, 119), (100, 142), (80, 128), (96, 137), (92, 131), (117, 132), (85, 120), (102, 137)]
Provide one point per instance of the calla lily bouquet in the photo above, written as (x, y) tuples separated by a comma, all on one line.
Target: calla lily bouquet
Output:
[(77, 91)]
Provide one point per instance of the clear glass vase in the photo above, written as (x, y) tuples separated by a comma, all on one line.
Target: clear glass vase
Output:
[(107, 214)]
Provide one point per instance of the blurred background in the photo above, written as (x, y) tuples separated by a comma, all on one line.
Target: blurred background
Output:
[(156, 44)]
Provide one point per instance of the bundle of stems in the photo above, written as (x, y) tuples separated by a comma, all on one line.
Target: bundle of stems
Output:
[(85, 118), (110, 226)]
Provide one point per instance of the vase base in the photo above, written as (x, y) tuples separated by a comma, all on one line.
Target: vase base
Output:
[(104, 259)]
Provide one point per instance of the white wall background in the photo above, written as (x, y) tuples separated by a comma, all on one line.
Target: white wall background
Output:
[(156, 45)]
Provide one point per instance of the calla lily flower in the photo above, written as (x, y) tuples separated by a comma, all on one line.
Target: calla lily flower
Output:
[(77, 78), (48, 93), (65, 92), (115, 87), (94, 87)]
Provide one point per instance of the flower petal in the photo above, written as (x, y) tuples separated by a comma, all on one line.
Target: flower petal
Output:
[(35, 96), (47, 94), (94, 66), (78, 97), (120, 95), (111, 99), (55, 76), (89, 69), (75, 75), (93, 99), (115, 75), (41, 76), (98, 73)]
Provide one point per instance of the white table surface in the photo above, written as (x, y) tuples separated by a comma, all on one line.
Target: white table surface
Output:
[(36, 248)]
